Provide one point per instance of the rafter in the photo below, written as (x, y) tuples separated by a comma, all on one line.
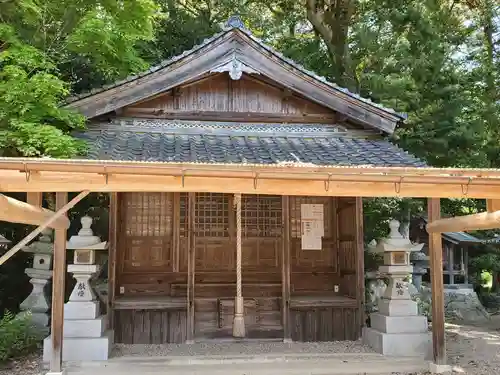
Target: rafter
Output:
[(16, 211), (482, 221)]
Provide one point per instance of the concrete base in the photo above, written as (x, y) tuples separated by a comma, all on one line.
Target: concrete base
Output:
[(82, 348), (399, 344), (439, 369), (81, 310), (56, 373), (85, 328), (398, 324), (397, 307)]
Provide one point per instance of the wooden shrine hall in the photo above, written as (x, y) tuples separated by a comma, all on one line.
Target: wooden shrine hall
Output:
[(236, 180)]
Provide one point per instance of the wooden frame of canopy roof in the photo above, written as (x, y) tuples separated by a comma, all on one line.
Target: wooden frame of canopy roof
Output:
[(37, 175)]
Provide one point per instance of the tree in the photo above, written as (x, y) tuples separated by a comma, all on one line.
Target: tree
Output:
[(51, 48)]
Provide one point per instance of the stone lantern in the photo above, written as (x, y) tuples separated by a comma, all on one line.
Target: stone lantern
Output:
[(40, 273), (397, 329), (4, 242), (86, 335), (420, 264)]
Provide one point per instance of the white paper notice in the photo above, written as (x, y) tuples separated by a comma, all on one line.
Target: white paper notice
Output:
[(313, 226)]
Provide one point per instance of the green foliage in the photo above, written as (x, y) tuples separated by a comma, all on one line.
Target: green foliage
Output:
[(18, 336), (49, 48), (31, 120)]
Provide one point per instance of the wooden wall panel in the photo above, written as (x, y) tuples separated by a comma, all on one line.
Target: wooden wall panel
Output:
[(150, 326), (311, 259), (348, 247), (325, 324), (219, 94)]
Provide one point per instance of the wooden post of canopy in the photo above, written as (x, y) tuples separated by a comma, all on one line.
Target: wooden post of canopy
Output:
[(239, 318), (437, 287), (360, 263), (58, 282)]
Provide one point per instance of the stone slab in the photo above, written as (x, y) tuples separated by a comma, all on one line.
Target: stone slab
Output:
[(392, 269), (85, 327), (399, 344), (399, 324), (439, 369), (397, 307), (81, 310), (82, 349), (83, 268)]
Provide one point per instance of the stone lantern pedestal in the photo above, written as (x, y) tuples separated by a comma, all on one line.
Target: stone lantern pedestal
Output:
[(40, 273), (397, 329), (86, 335)]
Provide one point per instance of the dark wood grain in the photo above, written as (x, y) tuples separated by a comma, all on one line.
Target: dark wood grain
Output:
[(191, 268), (150, 326), (286, 268), (113, 236)]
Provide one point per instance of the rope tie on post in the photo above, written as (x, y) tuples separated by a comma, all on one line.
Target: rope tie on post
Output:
[(239, 319)]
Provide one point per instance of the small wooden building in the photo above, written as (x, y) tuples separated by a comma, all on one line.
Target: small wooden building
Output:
[(456, 248), (235, 101)]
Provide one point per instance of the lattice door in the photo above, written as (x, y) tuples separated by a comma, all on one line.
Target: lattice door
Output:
[(214, 232), (147, 231), (261, 218)]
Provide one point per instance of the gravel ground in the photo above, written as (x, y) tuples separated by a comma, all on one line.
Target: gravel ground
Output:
[(236, 348), (471, 350)]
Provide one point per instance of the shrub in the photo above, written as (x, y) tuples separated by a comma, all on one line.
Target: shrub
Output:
[(17, 335)]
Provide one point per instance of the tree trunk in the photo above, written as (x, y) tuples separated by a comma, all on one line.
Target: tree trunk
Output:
[(331, 19)]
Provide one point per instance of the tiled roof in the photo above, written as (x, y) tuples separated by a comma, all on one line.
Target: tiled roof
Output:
[(231, 26), (183, 142)]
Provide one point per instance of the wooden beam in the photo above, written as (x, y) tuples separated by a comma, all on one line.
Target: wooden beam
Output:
[(230, 116), (113, 248), (360, 263), (191, 269), (44, 225), (493, 205), (58, 288), (285, 258), (307, 184), (482, 221), (437, 287), (16, 211)]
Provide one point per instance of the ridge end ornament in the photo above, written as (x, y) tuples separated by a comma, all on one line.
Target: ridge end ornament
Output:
[(235, 68), (234, 22)]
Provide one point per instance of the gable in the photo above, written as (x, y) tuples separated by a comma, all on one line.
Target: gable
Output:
[(219, 97), (235, 51)]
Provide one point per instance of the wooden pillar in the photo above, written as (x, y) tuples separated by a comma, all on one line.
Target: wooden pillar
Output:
[(450, 250), (466, 264), (113, 249), (360, 264), (239, 318), (191, 269), (35, 198), (285, 260), (58, 287), (176, 228), (437, 286)]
